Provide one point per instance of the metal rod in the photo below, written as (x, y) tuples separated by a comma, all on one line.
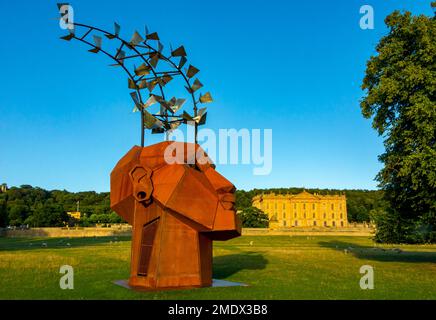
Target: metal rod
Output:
[(134, 49), (125, 69), (88, 32), (186, 80), (142, 127)]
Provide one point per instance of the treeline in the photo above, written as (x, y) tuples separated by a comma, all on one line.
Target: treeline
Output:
[(361, 204), (36, 207)]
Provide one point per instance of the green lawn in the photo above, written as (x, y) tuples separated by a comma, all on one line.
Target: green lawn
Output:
[(275, 267)]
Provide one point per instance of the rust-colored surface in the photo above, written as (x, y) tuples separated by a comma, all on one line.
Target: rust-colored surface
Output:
[(176, 210)]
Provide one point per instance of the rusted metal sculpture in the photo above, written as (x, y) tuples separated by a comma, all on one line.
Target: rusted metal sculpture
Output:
[(177, 208), (176, 211)]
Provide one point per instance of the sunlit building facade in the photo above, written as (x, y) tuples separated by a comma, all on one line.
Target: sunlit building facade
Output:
[(75, 214), (303, 210)]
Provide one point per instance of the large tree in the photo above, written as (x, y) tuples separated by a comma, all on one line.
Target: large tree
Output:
[(3, 211), (400, 87), (253, 217)]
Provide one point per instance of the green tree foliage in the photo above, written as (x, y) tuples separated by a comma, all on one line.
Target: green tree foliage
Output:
[(47, 214), (400, 85), (252, 217), (37, 207), (18, 213), (3, 211), (114, 218)]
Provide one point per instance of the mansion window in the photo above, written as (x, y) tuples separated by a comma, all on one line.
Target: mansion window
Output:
[(341, 215), (284, 215), (314, 215), (284, 223), (314, 223), (342, 223), (305, 215), (304, 206), (325, 215), (333, 206), (334, 224), (333, 215), (295, 215), (296, 223), (325, 223), (313, 206)]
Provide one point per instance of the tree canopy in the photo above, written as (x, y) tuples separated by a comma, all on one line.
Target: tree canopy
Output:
[(400, 88), (36, 207), (252, 217)]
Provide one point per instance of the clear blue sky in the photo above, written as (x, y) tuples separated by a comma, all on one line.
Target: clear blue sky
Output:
[(294, 66)]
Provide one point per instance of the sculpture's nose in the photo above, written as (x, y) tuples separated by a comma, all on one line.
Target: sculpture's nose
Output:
[(225, 219), (228, 200), (221, 184), (226, 225)]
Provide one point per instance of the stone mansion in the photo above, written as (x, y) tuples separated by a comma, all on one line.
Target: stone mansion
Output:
[(303, 210)]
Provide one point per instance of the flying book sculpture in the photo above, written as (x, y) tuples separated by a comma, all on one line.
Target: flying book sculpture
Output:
[(176, 209)]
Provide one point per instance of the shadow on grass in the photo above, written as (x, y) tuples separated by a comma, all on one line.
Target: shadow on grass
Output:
[(16, 244), (227, 265), (380, 254)]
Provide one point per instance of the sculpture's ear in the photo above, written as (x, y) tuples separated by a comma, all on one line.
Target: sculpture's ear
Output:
[(142, 184)]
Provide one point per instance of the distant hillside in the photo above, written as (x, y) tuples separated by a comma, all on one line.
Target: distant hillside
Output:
[(36, 207)]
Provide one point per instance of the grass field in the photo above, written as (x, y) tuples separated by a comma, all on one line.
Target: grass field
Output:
[(275, 267)]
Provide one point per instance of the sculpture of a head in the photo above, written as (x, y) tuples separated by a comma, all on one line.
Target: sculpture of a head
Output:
[(180, 178)]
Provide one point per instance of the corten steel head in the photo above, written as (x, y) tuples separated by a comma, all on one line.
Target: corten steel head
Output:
[(176, 210)]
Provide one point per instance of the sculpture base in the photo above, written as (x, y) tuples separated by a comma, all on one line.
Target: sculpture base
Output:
[(215, 284)]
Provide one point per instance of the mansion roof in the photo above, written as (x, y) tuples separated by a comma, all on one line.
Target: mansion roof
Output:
[(304, 195)]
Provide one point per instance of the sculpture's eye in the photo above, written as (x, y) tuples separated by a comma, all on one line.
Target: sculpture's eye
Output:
[(141, 195)]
